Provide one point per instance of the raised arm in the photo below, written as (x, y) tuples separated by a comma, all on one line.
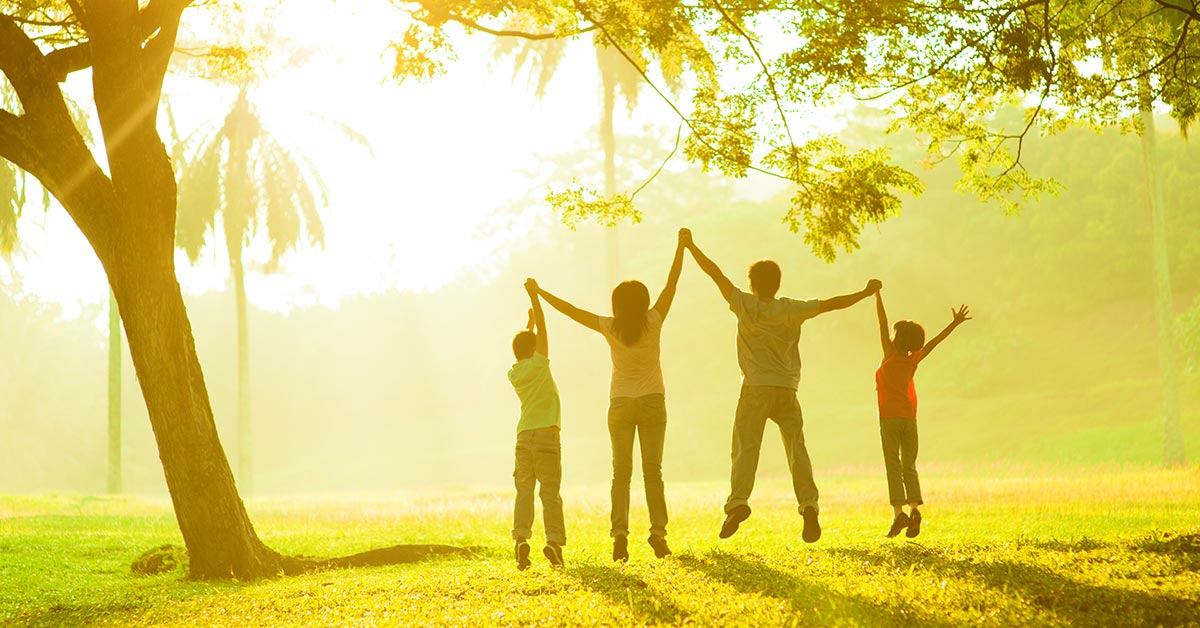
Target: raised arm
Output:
[(961, 315), (583, 317), (711, 269), (537, 320), (846, 300), (663, 304), (885, 337)]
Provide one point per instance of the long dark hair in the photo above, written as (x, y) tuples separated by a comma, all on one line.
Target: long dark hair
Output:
[(630, 304)]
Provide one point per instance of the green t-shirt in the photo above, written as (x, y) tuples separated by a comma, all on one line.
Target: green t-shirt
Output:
[(539, 396)]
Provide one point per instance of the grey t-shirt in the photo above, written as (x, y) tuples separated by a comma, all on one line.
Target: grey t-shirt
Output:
[(768, 338)]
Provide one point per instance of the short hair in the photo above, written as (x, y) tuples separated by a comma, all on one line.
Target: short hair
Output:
[(764, 277), (909, 336), (523, 344)]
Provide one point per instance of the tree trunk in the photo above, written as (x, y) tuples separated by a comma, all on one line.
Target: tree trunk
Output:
[(1173, 450), (612, 267), (220, 539), (239, 207), (244, 435), (114, 396)]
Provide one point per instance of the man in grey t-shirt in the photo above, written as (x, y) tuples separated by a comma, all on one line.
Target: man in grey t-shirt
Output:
[(769, 356)]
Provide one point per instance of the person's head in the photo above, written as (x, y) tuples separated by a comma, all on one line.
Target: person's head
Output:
[(764, 278), (630, 303), (908, 336), (523, 344)]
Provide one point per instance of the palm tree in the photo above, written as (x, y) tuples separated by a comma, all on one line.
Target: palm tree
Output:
[(1164, 305), (616, 75), (242, 172)]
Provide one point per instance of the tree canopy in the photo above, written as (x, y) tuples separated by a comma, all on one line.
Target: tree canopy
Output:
[(944, 68)]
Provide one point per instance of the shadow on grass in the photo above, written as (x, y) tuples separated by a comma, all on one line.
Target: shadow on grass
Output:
[(116, 612), (628, 591), (1077, 603), (817, 603), (1184, 549)]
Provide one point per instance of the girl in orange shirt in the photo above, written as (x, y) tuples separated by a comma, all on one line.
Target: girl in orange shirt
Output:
[(897, 394)]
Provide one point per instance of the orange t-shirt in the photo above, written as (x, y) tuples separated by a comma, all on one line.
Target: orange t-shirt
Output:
[(895, 387)]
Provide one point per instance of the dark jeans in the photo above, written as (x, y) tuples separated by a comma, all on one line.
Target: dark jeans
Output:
[(755, 405), (539, 460), (646, 418), (899, 438)]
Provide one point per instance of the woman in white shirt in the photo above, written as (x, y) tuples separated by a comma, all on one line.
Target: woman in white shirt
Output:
[(636, 395)]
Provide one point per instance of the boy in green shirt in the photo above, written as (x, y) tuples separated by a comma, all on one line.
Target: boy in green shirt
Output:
[(538, 454)]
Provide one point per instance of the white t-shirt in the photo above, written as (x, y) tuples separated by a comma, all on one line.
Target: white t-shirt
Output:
[(768, 338), (636, 369)]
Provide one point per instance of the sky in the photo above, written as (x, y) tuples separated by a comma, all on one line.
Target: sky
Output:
[(414, 212), (446, 157)]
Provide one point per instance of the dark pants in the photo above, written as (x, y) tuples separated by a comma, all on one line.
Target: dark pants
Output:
[(755, 405), (899, 438), (646, 418), (539, 460)]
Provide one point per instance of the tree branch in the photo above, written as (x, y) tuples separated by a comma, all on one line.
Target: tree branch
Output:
[(646, 77), (64, 61), (770, 83), (1174, 5), (153, 18), (15, 143), (472, 24)]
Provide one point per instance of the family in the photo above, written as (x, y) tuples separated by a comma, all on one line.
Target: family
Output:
[(768, 335)]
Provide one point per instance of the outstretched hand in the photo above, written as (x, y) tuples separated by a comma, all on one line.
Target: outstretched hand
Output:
[(685, 237), (531, 286), (961, 315), (874, 286)]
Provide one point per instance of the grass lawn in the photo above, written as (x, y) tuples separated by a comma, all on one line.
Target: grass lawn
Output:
[(1000, 547)]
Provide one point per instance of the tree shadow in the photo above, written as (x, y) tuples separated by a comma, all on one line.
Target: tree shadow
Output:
[(1076, 603), (1184, 549), (628, 591), (751, 575)]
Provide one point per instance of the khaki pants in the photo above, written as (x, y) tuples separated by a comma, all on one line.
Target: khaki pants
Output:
[(755, 405), (899, 438), (539, 460), (646, 418)]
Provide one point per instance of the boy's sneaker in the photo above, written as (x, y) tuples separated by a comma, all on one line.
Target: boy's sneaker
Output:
[(554, 554), (659, 543), (522, 552), (914, 523), (898, 525), (620, 548), (812, 527), (732, 519)]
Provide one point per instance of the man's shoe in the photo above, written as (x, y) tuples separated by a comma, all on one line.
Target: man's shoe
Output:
[(659, 543), (914, 523), (522, 552), (732, 519), (620, 548), (812, 527), (554, 554), (898, 525)]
